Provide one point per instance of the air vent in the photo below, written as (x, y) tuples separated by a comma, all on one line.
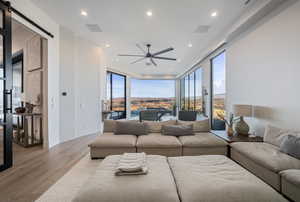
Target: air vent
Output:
[(94, 28), (202, 29)]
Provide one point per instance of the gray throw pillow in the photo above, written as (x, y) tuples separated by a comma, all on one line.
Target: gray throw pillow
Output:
[(291, 145), (130, 128), (178, 130)]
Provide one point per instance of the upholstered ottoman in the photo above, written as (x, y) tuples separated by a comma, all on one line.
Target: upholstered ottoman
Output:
[(156, 186), (203, 144), (212, 178), (158, 144), (290, 184), (111, 144)]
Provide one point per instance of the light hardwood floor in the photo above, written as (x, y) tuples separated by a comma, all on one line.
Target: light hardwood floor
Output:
[(36, 169)]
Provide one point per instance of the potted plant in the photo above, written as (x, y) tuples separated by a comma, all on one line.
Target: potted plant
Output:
[(229, 122)]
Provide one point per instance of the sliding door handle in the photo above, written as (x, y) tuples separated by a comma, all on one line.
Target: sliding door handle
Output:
[(8, 101)]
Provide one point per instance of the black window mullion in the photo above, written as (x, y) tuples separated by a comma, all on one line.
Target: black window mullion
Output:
[(195, 90)]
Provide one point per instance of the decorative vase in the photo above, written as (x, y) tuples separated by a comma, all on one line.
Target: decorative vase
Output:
[(230, 131), (242, 127)]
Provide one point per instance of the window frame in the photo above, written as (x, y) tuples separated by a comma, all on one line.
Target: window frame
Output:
[(212, 86), (111, 90), (189, 106)]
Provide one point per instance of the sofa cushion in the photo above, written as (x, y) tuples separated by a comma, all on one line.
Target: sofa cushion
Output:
[(178, 130), (111, 141), (290, 184), (291, 145), (155, 126), (267, 155), (274, 135), (198, 126), (156, 140), (292, 176), (129, 127), (217, 178), (109, 126), (103, 186), (202, 140)]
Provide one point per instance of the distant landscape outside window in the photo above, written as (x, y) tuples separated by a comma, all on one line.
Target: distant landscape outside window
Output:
[(219, 90), (191, 92), (152, 94), (116, 96), (198, 90)]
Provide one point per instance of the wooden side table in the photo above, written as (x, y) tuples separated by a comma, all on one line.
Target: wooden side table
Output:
[(24, 137), (235, 138)]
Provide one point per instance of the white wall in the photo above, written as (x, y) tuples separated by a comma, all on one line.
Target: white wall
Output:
[(263, 70), (81, 77), (33, 12), (67, 82)]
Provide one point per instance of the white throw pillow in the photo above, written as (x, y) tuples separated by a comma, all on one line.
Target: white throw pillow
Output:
[(274, 135)]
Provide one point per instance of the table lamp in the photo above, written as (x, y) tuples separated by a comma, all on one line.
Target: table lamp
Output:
[(241, 127)]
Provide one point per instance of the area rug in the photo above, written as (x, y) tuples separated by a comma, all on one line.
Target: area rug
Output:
[(65, 189)]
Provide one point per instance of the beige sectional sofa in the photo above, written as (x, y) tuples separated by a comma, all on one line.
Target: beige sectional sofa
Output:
[(156, 143), (290, 184), (265, 159)]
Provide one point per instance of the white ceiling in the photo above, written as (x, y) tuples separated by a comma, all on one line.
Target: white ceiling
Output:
[(125, 23)]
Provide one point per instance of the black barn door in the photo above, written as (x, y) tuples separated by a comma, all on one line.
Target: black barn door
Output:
[(6, 129)]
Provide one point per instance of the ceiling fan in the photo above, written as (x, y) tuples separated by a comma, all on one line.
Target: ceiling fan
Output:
[(150, 55)]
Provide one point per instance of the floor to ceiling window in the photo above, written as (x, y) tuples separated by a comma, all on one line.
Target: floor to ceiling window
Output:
[(191, 92), (152, 94), (218, 91), (198, 91), (116, 95)]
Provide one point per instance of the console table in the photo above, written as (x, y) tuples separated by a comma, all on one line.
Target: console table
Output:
[(23, 137), (235, 138)]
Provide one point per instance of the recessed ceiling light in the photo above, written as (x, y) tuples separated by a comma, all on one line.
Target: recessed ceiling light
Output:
[(149, 13), (107, 45), (190, 45), (214, 14), (83, 13)]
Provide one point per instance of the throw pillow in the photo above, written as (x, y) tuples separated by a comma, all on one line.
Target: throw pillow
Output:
[(155, 126), (130, 128), (199, 126), (275, 136), (178, 130), (291, 145)]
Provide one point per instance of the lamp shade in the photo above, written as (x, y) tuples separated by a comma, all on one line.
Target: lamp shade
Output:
[(242, 110)]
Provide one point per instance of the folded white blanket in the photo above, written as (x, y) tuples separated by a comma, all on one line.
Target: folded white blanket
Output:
[(132, 164)]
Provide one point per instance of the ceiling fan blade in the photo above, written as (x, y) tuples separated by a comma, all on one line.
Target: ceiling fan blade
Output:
[(164, 58), (139, 47), (151, 59), (131, 55), (163, 51), (138, 60)]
